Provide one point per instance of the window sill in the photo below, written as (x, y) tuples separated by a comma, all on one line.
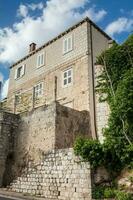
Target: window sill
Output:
[(16, 79), (64, 53), (68, 85), (40, 66)]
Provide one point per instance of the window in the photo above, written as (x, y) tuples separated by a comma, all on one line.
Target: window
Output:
[(38, 91), (67, 44), (17, 98), (19, 72), (67, 77), (40, 60)]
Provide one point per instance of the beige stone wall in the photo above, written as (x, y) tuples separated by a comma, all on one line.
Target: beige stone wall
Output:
[(102, 108), (77, 93), (36, 133), (55, 63), (47, 128), (8, 128), (99, 42), (54, 58), (58, 175), (27, 136), (80, 95), (71, 124)]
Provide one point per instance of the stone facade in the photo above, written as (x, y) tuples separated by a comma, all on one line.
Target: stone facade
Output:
[(27, 136), (8, 129), (49, 127), (37, 138), (88, 41), (102, 108), (59, 175)]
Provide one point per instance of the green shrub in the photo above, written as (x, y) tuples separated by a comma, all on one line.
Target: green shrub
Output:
[(115, 85), (90, 150), (119, 195), (105, 192), (109, 193), (98, 192)]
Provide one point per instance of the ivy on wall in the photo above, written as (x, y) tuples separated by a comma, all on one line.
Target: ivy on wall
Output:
[(115, 85)]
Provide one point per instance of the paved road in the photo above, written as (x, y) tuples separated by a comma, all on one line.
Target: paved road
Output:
[(2, 198)]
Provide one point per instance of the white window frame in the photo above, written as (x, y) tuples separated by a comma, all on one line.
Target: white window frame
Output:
[(41, 62), (36, 94), (66, 47), (67, 77), (22, 72)]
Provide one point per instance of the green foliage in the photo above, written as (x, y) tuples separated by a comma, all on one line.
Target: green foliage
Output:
[(98, 192), (90, 150), (117, 60), (119, 195), (115, 85), (103, 192), (109, 193)]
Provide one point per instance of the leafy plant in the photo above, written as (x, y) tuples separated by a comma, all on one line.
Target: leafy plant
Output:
[(98, 192), (119, 195), (109, 193), (103, 192), (115, 85), (90, 150)]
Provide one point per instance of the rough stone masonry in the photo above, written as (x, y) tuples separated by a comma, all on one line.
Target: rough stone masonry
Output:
[(36, 157), (59, 175)]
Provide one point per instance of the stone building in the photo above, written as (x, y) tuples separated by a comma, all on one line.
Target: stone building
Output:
[(61, 70), (52, 100)]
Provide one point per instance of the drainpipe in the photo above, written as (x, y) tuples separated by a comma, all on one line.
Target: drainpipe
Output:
[(55, 89), (92, 103)]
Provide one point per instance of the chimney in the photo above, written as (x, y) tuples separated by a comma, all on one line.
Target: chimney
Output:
[(32, 47)]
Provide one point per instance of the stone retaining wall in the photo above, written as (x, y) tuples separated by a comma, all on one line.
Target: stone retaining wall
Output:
[(49, 127), (59, 175), (8, 127)]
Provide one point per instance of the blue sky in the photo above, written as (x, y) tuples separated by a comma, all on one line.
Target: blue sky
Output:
[(26, 21)]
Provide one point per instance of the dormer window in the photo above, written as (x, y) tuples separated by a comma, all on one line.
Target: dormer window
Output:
[(19, 72), (68, 44), (40, 60)]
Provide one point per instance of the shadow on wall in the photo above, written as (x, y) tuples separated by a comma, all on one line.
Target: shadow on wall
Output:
[(8, 175), (39, 131), (71, 124), (11, 130)]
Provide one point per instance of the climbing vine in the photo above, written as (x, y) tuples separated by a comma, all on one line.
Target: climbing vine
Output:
[(115, 85)]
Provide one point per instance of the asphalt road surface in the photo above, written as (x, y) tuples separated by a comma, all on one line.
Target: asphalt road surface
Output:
[(2, 198)]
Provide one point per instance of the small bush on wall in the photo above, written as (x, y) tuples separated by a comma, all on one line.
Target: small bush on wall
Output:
[(115, 85)]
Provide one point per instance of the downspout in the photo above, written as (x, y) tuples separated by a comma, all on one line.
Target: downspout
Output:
[(92, 103), (55, 88)]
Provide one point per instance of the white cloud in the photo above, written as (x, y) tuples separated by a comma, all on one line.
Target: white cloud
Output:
[(122, 24), (95, 15), (55, 16), (35, 6), (5, 89), (22, 11)]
